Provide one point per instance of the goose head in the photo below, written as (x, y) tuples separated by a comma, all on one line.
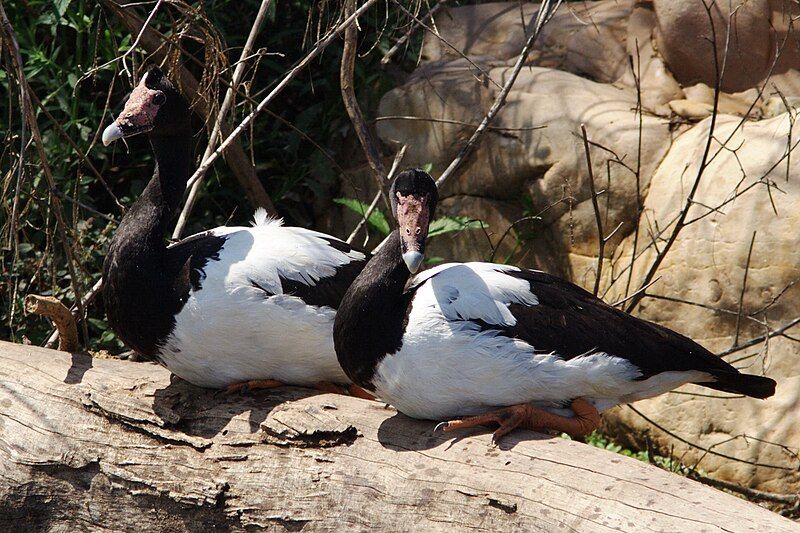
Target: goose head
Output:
[(154, 106), (414, 197)]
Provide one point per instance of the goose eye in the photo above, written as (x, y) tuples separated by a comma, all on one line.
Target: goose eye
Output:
[(159, 98)]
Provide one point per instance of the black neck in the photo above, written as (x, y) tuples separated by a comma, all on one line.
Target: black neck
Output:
[(371, 318), (148, 218)]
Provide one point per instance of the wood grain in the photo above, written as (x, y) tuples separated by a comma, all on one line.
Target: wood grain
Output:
[(89, 444)]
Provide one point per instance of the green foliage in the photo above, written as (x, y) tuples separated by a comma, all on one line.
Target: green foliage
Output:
[(449, 224), (376, 220), (598, 440)]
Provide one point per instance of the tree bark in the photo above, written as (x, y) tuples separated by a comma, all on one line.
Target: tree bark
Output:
[(91, 444)]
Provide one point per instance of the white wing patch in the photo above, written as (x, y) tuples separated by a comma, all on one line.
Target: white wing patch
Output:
[(230, 330), (472, 291)]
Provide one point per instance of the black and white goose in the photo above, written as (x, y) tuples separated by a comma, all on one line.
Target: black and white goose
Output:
[(501, 344), (230, 305)]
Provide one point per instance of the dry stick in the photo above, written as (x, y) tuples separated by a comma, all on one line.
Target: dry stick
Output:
[(351, 104), (756, 340), (411, 31), (320, 46), (223, 111), (451, 121), (750, 494), (13, 237), (27, 111), (85, 160), (744, 288), (601, 240), (707, 450), (153, 41), (679, 224), (129, 51), (638, 173), (446, 42), (545, 13), (398, 158)]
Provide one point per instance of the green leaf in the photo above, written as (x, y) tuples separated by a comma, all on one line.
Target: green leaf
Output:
[(427, 167), (377, 220), (450, 224)]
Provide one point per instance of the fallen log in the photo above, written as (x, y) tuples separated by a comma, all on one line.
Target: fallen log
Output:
[(88, 444)]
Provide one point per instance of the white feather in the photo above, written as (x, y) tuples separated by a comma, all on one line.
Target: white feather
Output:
[(447, 366), (231, 331)]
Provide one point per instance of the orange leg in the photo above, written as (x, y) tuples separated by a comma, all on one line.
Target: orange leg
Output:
[(358, 392), (252, 385), (527, 416), (352, 390)]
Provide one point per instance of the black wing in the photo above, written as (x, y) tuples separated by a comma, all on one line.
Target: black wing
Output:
[(189, 257), (571, 322), (330, 290)]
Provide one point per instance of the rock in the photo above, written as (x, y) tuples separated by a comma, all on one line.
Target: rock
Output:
[(656, 83), (592, 39), (498, 241), (684, 39), (777, 105), (541, 153), (691, 109), (707, 265)]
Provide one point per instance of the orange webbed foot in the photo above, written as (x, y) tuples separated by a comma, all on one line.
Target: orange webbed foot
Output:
[(255, 384), (526, 416)]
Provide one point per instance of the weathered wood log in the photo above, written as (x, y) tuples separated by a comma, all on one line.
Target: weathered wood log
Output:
[(89, 444)]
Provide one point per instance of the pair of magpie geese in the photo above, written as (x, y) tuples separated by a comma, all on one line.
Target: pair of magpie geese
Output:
[(467, 343)]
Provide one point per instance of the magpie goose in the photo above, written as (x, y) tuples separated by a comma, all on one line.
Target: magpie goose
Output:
[(229, 306), (500, 344)]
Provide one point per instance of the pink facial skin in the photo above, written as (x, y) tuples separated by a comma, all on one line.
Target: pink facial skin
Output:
[(412, 216), (140, 109)]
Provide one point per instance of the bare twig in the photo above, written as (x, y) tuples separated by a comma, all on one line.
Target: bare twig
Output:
[(744, 288), (197, 178), (464, 56), (242, 169), (411, 31), (350, 101), (601, 239), (398, 158), (10, 40), (757, 340), (128, 52), (709, 450), (288, 77), (680, 223), (750, 494), (546, 11)]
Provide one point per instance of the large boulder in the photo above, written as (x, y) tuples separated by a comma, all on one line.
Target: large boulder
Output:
[(750, 194), (535, 155)]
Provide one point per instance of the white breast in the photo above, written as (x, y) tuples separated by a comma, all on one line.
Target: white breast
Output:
[(448, 367), (231, 331)]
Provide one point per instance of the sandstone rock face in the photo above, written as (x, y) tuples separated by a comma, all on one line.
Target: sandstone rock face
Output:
[(686, 32), (541, 153), (707, 265), (595, 64)]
